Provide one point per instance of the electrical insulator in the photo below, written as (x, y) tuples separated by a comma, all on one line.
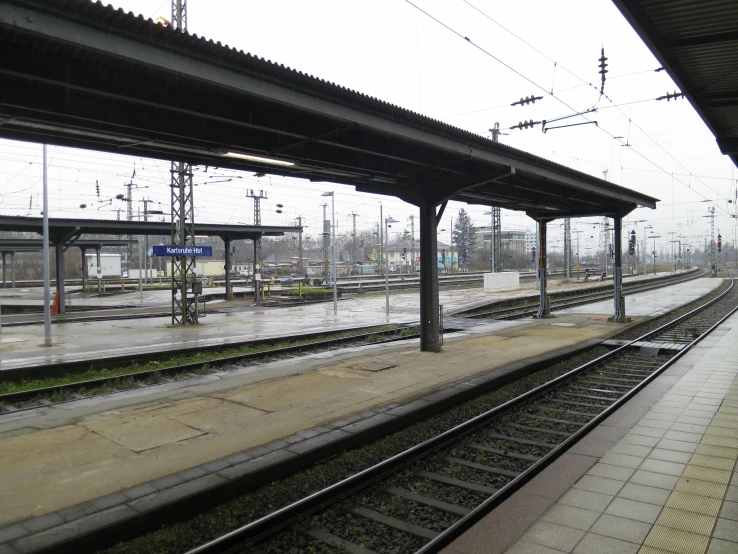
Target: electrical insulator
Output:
[(525, 124), (97, 188), (603, 70), (527, 100)]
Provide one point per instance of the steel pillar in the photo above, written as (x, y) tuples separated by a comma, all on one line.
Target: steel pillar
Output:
[(544, 310), (59, 247), (4, 254), (617, 272), (256, 265), (12, 270), (83, 252), (429, 325), (228, 293), (99, 279)]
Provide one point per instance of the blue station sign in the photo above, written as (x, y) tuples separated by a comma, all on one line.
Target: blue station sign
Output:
[(178, 251)]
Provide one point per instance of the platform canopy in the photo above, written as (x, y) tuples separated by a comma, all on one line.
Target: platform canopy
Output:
[(81, 74), (696, 41), (61, 227)]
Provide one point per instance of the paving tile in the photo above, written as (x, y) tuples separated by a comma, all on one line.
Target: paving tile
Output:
[(726, 529), (643, 493), (139, 491), (682, 436), (621, 528), (729, 511), (109, 501), (686, 521), (648, 431), (179, 492), (597, 544), (569, 516), (622, 460), (77, 511), (43, 522), (719, 546), (12, 532), (654, 423), (707, 474), (676, 540), (661, 416), (670, 455), (702, 488), (525, 547), (689, 428), (554, 536), (732, 494), (631, 438), (602, 485), (586, 500), (694, 503), (678, 446), (659, 466), (631, 509), (607, 471), (631, 449)]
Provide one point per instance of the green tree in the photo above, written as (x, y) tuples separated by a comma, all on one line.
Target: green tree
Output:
[(463, 235)]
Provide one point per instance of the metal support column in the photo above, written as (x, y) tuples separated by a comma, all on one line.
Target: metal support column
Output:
[(12, 270), (99, 279), (497, 239), (83, 253), (4, 254), (228, 293), (617, 272), (255, 271), (429, 324), (59, 247), (544, 309)]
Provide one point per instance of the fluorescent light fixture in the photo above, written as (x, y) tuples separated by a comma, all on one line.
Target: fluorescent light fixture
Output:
[(252, 158), (327, 194)]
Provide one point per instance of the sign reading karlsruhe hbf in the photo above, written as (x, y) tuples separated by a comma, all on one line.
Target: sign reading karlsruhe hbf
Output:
[(178, 251)]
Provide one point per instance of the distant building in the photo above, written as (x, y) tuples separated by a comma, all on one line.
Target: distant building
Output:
[(514, 241)]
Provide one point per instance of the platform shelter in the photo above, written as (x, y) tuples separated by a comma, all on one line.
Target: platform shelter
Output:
[(87, 76)]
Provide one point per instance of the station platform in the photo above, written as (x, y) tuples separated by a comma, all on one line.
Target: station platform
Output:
[(239, 321), (657, 477), (74, 466)]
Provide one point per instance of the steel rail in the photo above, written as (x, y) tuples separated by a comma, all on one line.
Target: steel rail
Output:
[(287, 515)]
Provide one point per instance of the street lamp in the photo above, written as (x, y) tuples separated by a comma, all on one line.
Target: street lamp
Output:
[(386, 249), (333, 247)]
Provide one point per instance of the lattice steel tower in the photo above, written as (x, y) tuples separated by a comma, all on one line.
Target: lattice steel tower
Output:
[(184, 310)]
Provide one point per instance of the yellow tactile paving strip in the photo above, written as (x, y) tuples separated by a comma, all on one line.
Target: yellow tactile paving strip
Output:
[(686, 522)]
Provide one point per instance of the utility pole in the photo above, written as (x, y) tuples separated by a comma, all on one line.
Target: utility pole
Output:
[(183, 214), (567, 247), (257, 198), (129, 218), (299, 246), (326, 234), (412, 241), (496, 218), (47, 286), (354, 251), (713, 246)]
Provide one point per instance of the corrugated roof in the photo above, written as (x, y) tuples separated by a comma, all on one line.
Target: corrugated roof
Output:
[(697, 43)]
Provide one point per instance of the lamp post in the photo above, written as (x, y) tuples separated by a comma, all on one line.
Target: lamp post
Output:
[(386, 249), (579, 262), (644, 247), (333, 247)]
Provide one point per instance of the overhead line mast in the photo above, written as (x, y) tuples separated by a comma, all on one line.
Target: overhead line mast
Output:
[(184, 309)]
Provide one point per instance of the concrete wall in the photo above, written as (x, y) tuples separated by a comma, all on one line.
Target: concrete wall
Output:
[(508, 280)]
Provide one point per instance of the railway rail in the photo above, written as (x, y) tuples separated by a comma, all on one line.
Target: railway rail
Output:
[(563, 300), (423, 498)]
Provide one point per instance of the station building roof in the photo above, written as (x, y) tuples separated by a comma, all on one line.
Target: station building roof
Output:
[(81, 74), (696, 41)]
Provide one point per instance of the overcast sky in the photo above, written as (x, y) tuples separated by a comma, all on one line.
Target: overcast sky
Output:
[(391, 50)]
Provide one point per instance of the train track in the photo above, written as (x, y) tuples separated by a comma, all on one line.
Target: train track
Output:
[(530, 309), (69, 392), (423, 498)]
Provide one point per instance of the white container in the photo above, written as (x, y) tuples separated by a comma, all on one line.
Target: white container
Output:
[(495, 282)]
